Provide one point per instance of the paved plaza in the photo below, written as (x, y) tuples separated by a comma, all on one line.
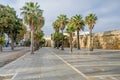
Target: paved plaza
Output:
[(53, 64), (8, 55)]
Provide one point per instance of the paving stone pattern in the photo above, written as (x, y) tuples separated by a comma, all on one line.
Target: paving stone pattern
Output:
[(53, 64)]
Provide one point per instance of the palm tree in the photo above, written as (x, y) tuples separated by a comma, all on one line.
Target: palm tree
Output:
[(40, 23), (79, 25), (31, 18), (57, 39), (90, 20), (38, 36), (38, 32), (70, 29), (56, 28), (62, 19)]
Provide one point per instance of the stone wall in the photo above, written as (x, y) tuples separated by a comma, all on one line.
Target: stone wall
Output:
[(48, 43), (105, 40)]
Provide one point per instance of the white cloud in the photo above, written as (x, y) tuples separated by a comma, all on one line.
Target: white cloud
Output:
[(107, 11)]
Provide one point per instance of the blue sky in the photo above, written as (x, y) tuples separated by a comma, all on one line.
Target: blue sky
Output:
[(107, 11)]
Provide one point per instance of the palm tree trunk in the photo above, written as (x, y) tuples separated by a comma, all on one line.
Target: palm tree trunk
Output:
[(54, 44), (91, 46), (62, 47), (36, 44), (32, 41), (57, 44), (78, 41), (71, 47)]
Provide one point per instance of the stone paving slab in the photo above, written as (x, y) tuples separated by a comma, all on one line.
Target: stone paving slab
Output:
[(53, 64), (97, 65), (43, 65)]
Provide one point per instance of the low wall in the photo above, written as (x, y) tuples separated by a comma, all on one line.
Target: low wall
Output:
[(104, 40), (48, 43)]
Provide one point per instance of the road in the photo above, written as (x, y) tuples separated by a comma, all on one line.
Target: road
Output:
[(53, 64)]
